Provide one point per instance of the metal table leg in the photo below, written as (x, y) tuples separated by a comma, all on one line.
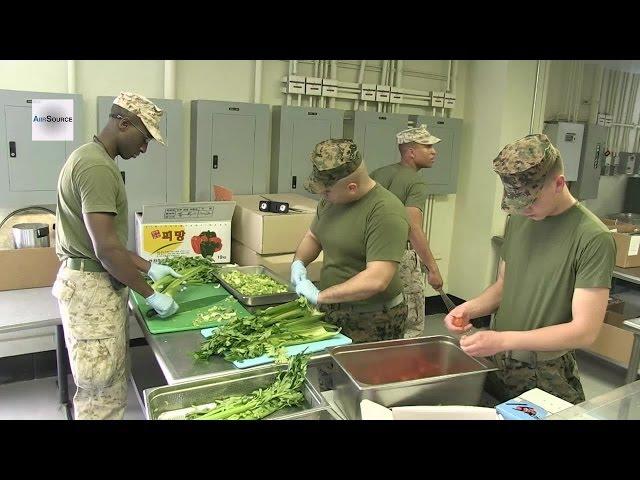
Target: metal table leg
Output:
[(61, 353), (632, 371)]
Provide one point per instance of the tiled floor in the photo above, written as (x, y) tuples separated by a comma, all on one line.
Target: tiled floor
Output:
[(38, 399)]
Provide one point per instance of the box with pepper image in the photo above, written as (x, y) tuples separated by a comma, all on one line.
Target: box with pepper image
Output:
[(185, 229)]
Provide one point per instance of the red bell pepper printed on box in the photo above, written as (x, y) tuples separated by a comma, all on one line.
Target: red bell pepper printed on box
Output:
[(206, 244)]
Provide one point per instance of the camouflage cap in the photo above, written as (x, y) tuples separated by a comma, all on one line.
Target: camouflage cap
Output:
[(145, 110), (332, 160), (523, 166), (418, 135)]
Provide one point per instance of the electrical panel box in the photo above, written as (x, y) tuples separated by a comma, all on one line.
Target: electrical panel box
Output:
[(567, 138), (592, 159), (632, 195), (30, 168), (442, 177), (229, 147), (375, 135), (157, 176), (296, 131), (628, 163)]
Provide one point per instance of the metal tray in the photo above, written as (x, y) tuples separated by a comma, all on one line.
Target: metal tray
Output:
[(259, 299), (324, 413), (174, 402), (367, 371)]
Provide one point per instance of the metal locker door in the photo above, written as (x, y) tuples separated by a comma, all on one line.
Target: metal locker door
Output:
[(306, 135), (33, 166), (375, 136), (233, 152), (442, 176)]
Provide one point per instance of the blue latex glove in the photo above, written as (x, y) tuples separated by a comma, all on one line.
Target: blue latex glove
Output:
[(157, 271), (163, 304), (308, 290), (298, 272)]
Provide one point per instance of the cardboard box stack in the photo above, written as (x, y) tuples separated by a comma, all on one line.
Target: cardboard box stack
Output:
[(271, 239), (614, 342), (627, 238), (187, 229)]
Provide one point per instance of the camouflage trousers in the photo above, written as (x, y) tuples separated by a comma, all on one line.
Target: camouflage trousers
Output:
[(94, 318), (559, 377), (368, 327), (413, 289), (362, 327)]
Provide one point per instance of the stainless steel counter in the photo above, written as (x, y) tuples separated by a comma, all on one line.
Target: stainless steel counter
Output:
[(174, 354)]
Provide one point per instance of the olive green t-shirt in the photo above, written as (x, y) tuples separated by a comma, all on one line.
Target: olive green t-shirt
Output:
[(373, 228), (89, 182), (404, 182), (545, 261)]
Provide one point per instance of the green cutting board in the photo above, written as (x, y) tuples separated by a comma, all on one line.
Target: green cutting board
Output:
[(181, 321)]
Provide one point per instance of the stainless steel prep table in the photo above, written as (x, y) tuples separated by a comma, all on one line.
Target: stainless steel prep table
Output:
[(30, 308), (173, 353)]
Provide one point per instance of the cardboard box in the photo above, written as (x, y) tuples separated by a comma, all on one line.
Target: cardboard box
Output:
[(628, 249), (627, 238), (269, 233), (280, 264), (613, 342), (185, 229), (28, 268)]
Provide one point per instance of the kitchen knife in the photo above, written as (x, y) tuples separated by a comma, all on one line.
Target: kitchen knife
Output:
[(449, 304), (447, 301), (186, 306)]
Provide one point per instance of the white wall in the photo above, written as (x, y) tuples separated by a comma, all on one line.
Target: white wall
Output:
[(498, 111)]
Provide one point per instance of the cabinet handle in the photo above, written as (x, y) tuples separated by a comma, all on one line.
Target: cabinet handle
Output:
[(12, 149), (214, 164), (294, 181), (124, 176)]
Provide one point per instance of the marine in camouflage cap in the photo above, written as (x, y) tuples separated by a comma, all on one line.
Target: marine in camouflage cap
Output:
[(523, 166), (417, 135), (145, 110), (332, 160)]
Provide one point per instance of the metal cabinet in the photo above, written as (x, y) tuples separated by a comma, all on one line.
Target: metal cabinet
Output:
[(296, 131), (591, 161), (30, 168), (229, 147), (567, 138), (157, 175), (375, 135), (442, 177)]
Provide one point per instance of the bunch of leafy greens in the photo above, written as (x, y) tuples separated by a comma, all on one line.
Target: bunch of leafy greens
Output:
[(285, 391), (170, 285), (267, 332), (180, 264)]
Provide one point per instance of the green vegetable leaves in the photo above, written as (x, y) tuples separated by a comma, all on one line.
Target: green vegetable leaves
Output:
[(267, 332), (285, 391), (253, 284)]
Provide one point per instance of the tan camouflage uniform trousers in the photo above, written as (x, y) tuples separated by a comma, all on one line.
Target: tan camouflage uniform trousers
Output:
[(94, 317), (413, 289), (361, 327), (559, 377)]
